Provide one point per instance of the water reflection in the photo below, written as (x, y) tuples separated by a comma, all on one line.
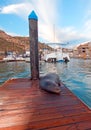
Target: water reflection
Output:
[(76, 74), (13, 70)]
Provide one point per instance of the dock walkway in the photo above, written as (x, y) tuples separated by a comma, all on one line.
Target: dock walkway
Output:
[(23, 106)]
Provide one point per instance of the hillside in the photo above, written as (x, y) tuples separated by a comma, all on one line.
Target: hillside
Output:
[(15, 43)]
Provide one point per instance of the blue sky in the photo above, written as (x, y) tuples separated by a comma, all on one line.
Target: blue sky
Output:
[(71, 19)]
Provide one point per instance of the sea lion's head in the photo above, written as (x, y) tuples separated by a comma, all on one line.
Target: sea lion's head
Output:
[(57, 89), (50, 86), (54, 88)]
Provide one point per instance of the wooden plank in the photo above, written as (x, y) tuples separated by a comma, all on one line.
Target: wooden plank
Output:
[(23, 106)]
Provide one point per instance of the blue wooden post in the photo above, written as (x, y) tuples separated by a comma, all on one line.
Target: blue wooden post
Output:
[(33, 33)]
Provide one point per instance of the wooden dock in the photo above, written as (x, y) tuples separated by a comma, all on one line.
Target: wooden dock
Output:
[(23, 106)]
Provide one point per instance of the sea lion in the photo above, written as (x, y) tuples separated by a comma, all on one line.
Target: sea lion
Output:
[(53, 77), (50, 83)]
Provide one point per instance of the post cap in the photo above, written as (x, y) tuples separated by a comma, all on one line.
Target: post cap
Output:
[(33, 15)]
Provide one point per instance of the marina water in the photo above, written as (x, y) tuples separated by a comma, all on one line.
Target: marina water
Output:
[(76, 75)]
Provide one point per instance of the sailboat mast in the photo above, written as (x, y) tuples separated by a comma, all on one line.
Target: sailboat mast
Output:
[(54, 33)]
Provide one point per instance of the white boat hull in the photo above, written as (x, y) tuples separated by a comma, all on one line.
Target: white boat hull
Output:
[(56, 57), (11, 58)]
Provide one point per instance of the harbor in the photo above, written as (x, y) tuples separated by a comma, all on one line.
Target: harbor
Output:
[(25, 106)]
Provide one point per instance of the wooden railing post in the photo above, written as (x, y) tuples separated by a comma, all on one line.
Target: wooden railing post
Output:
[(33, 33)]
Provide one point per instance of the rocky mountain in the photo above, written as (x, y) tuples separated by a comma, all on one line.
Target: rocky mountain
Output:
[(15, 43)]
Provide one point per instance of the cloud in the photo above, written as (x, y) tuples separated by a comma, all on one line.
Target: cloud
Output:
[(18, 9), (45, 12), (54, 34), (87, 25), (49, 16), (86, 30)]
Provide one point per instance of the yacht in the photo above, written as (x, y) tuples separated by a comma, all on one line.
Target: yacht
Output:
[(10, 57), (56, 56)]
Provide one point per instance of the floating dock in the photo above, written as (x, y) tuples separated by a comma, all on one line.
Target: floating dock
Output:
[(24, 106)]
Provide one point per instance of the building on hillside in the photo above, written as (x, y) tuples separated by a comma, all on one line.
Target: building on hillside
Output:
[(83, 51), (75, 53)]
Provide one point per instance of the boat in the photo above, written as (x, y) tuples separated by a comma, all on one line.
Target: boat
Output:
[(9, 58), (27, 56), (56, 56), (12, 57), (19, 58), (27, 59)]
